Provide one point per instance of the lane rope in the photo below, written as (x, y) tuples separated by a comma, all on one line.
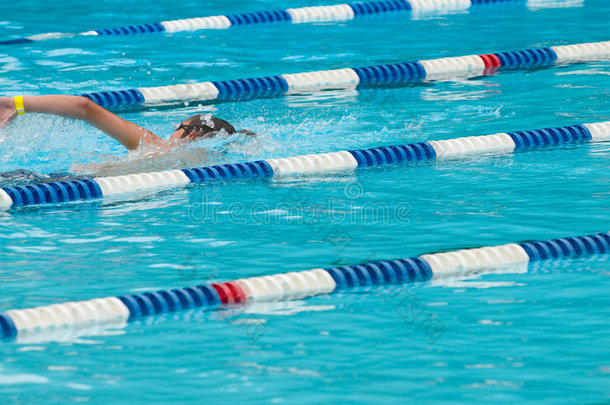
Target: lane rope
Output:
[(87, 189), (114, 311), (355, 78), (338, 12)]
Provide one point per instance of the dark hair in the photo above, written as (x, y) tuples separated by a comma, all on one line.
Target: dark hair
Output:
[(207, 126)]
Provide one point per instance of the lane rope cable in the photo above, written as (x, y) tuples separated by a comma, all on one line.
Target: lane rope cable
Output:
[(117, 311), (87, 189), (338, 12), (392, 74)]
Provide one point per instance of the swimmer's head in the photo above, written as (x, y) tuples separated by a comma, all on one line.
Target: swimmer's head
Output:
[(201, 126)]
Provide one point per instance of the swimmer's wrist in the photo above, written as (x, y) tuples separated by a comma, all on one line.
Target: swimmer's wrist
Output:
[(19, 107)]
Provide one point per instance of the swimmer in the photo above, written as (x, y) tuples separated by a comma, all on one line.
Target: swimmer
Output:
[(127, 133), (131, 136)]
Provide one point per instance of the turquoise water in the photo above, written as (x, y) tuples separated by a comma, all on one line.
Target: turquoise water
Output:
[(507, 337)]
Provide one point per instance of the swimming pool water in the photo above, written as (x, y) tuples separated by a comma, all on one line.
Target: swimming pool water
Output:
[(508, 337)]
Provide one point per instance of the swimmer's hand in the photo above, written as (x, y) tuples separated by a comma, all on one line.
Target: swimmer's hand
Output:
[(7, 111)]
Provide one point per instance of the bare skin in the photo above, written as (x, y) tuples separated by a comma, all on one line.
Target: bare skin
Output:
[(133, 137), (127, 133)]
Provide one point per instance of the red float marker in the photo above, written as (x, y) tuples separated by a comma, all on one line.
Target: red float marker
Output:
[(492, 63), (230, 293)]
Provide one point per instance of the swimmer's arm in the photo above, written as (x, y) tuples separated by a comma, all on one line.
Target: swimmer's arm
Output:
[(127, 133)]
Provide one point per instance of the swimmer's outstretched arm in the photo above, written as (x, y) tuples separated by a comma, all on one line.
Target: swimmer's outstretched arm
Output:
[(127, 133)]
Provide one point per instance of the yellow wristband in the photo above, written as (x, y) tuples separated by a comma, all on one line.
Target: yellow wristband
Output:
[(19, 105)]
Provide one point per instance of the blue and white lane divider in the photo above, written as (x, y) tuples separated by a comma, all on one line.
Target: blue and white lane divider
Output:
[(338, 12), (113, 311), (352, 78), (63, 191)]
